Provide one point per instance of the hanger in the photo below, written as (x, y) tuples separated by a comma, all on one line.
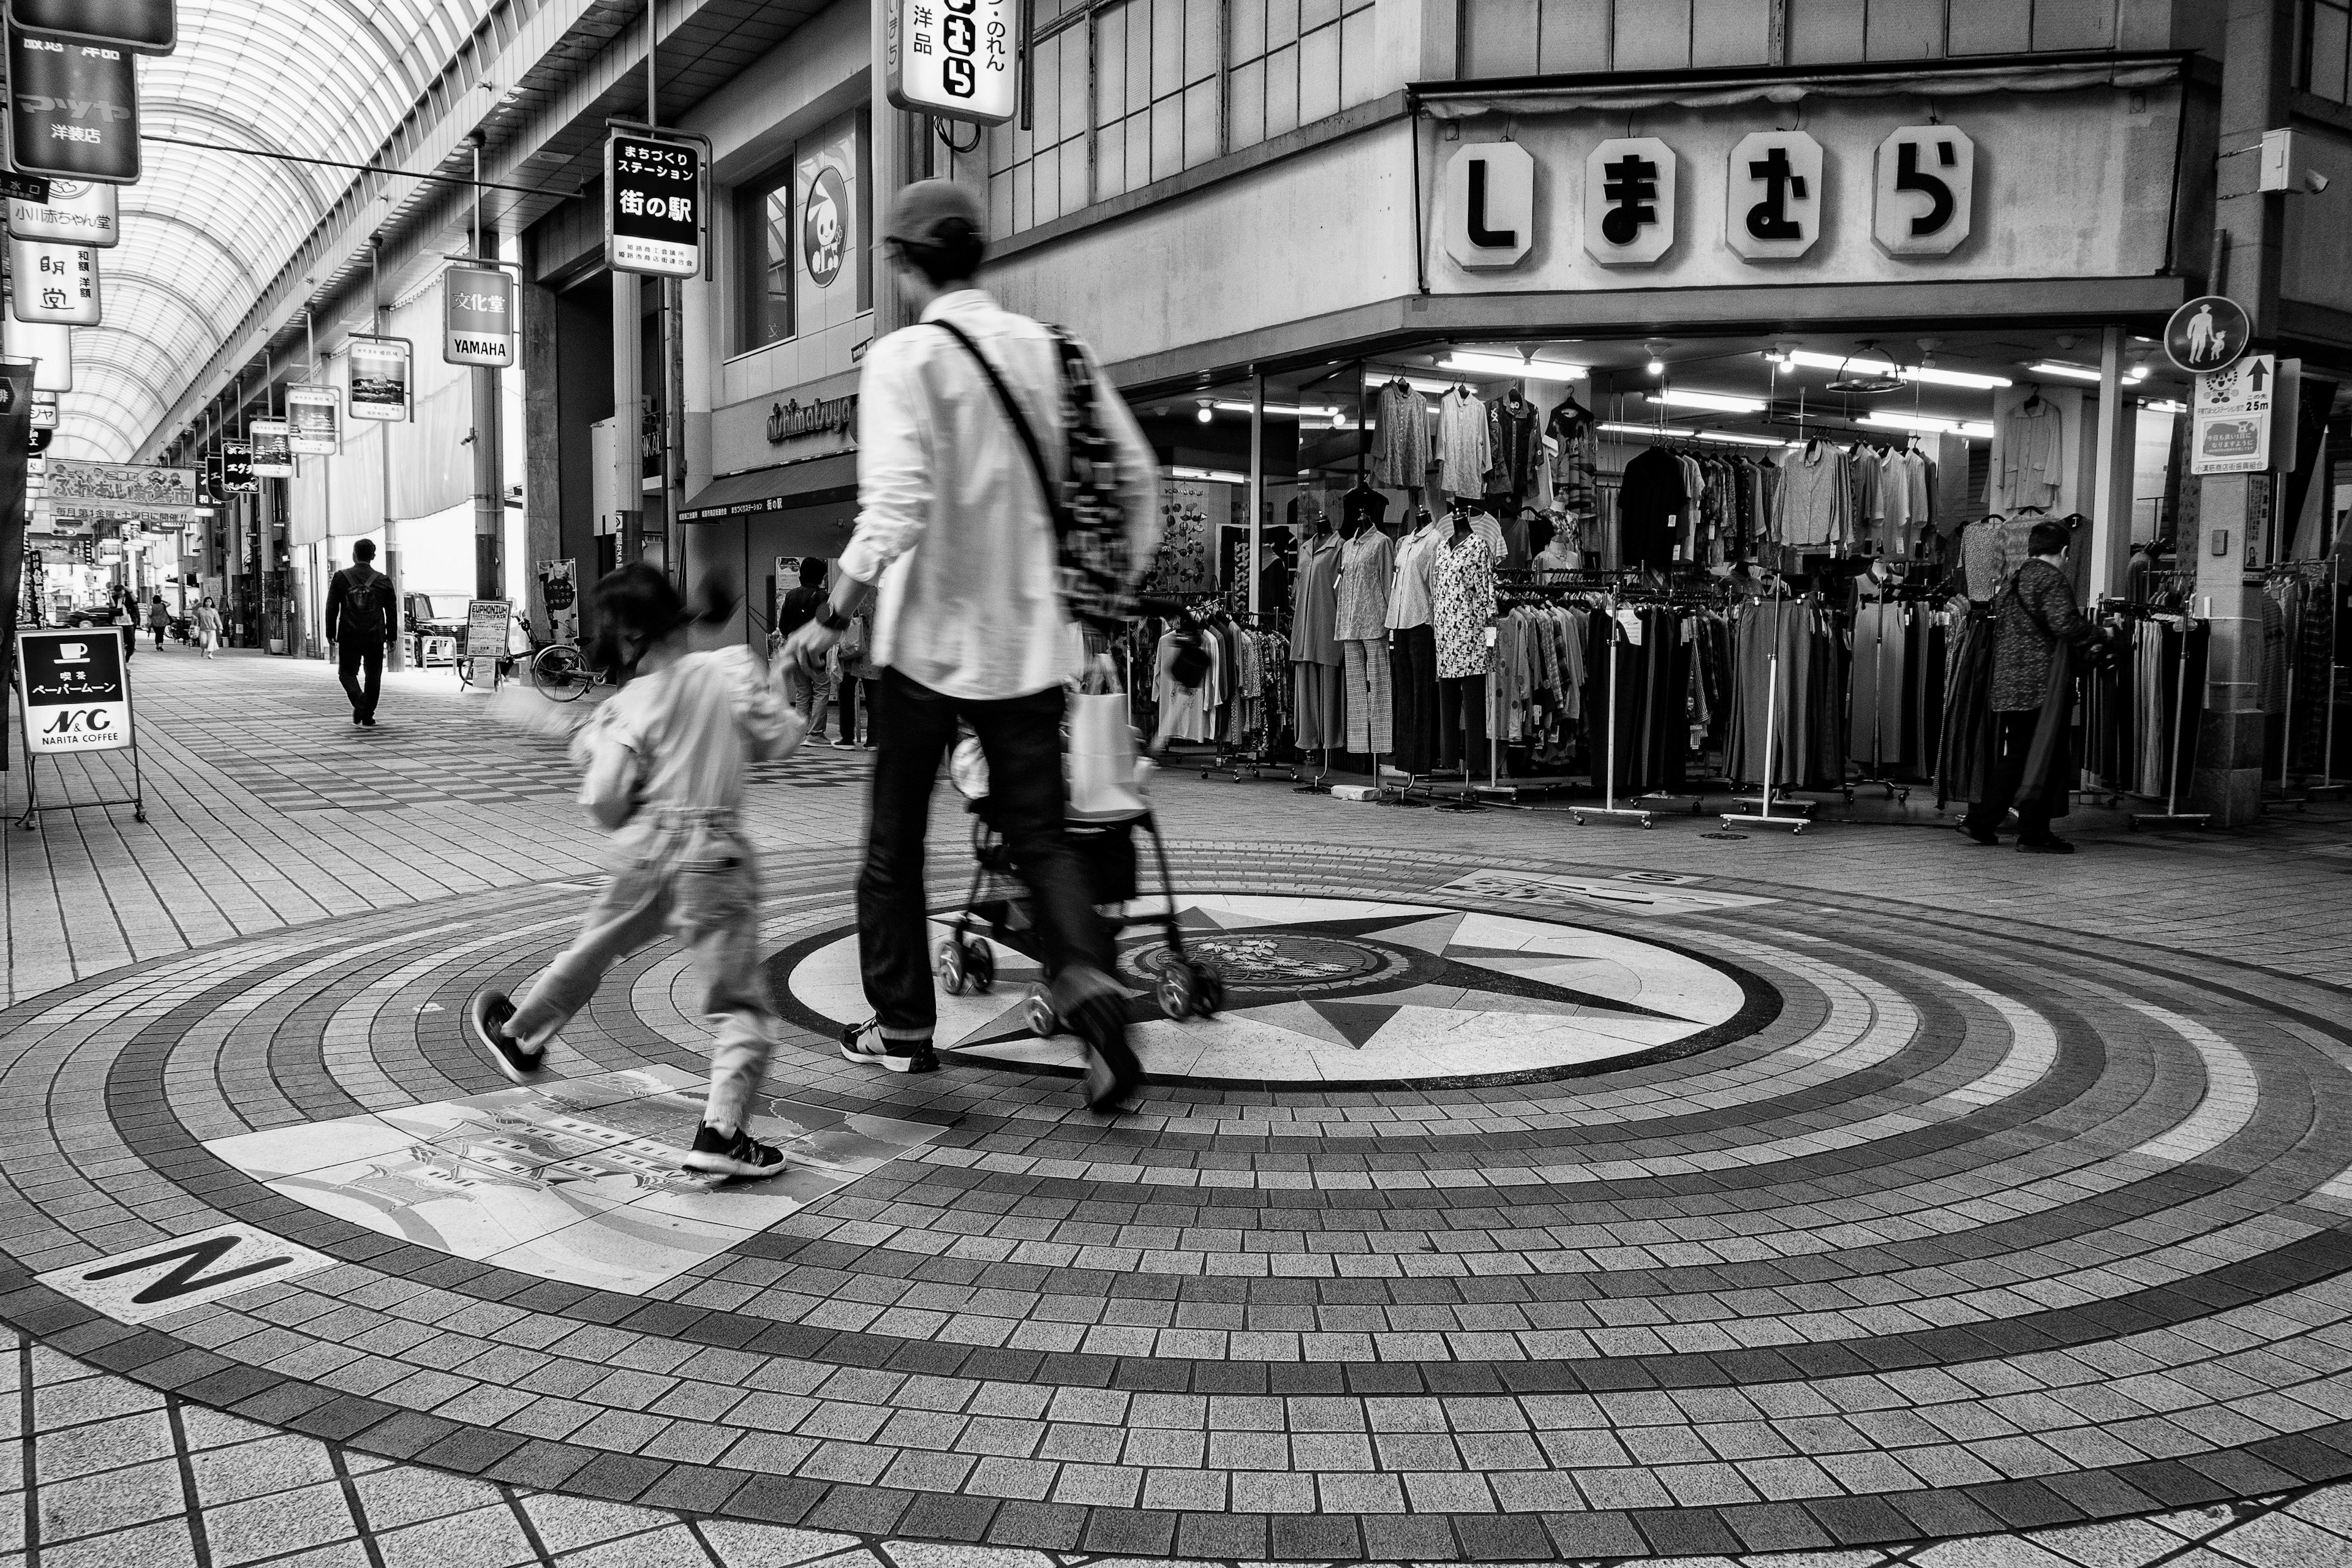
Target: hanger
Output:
[(2033, 400)]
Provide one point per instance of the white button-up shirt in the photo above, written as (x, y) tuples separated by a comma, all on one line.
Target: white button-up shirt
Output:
[(949, 515)]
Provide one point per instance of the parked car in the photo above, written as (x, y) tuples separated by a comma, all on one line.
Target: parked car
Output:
[(436, 624), (91, 616)]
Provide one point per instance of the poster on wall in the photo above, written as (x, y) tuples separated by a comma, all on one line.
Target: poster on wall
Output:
[(271, 442), (316, 415), (559, 590)]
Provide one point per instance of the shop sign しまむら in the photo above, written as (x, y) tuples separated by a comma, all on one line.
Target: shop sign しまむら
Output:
[(74, 212), (316, 414), (1776, 203), (75, 696), (653, 204), (380, 379), (479, 302), (237, 477), (143, 27), (54, 283), (953, 59), (73, 108), (2230, 422), (270, 445)]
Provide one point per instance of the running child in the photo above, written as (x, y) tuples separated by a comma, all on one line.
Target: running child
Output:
[(664, 760)]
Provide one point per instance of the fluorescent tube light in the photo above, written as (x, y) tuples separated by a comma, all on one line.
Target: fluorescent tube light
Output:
[(1975, 427), (1721, 403), (1871, 365), (1219, 475), (1680, 433), (2083, 372), (1476, 363)]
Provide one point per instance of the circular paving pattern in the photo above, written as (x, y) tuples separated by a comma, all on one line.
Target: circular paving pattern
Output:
[(1332, 993), (1972, 1228)]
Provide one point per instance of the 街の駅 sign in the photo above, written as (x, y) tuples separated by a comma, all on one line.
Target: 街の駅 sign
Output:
[(653, 204)]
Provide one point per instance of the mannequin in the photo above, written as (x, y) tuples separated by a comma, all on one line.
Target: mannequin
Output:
[(1462, 607), (1412, 646), (1367, 572), (1315, 656)]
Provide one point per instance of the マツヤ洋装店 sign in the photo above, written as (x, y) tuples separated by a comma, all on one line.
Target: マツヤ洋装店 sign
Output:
[(73, 108), (653, 204), (76, 696)]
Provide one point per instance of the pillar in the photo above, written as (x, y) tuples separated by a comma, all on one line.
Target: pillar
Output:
[(894, 132), (542, 477), (2227, 782), (2114, 459), (628, 413)]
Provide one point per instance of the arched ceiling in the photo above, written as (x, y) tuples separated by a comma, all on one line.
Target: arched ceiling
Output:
[(318, 78)]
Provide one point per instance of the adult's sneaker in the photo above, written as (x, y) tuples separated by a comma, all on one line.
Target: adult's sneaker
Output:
[(1113, 1073), (491, 1012), (864, 1044), (1977, 835), (735, 1154)]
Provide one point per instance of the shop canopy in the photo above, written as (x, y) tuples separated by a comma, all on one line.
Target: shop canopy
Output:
[(815, 502)]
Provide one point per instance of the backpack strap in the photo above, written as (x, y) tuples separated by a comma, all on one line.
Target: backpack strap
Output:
[(1045, 485)]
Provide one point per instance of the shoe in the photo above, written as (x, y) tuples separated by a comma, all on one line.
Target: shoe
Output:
[(732, 1154), (864, 1043), (489, 1015), (1978, 836), (2049, 845), (368, 720), (1113, 1075)]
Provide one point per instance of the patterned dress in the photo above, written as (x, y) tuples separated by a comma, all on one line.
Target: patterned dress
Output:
[(1462, 604)]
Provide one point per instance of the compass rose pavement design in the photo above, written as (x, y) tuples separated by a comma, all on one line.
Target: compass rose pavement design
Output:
[(1326, 990)]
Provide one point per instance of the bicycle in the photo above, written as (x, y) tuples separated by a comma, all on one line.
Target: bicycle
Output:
[(562, 673)]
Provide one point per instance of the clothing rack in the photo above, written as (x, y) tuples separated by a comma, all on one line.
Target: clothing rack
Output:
[(2330, 573), (1768, 796), (2171, 816)]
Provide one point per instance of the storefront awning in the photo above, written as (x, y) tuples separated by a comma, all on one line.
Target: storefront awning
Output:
[(819, 482)]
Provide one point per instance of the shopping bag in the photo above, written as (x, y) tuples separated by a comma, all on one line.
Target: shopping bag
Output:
[(1099, 761)]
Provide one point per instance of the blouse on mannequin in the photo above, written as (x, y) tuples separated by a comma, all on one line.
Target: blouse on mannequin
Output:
[(1462, 606)]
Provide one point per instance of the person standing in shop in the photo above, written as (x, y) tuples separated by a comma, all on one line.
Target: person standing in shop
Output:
[(2036, 624), (361, 625), (961, 420)]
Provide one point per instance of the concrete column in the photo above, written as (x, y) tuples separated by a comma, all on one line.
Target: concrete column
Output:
[(628, 415), (2111, 506), (2227, 783), (893, 138), (542, 479)]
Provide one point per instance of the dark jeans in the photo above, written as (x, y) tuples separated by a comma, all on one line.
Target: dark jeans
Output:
[(159, 636), (2012, 739), (1462, 723), (1022, 736), (350, 657), (846, 698), (1412, 675)]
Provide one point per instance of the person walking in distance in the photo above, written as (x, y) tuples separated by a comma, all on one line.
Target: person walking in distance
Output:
[(666, 760), (359, 623), (158, 620), (812, 689), (208, 626), (961, 417)]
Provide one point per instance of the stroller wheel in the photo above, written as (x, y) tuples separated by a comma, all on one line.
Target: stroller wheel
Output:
[(1177, 997), (1042, 1021), (946, 963), (1207, 991), (979, 966)]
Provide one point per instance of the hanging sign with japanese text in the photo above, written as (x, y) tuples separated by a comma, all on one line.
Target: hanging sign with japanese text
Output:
[(653, 204), (237, 477), (73, 108), (2230, 422), (479, 316), (54, 283), (1490, 204), (82, 489), (316, 414), (143, 27), (75, 212), (270, 451), (1926, 189), (76, 695), (1629, 201), (380, 378), (954, 58)]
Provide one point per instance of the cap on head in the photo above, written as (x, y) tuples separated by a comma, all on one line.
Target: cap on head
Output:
[(920, 211)]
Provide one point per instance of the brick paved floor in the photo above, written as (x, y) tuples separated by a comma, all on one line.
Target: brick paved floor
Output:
[(2004, 1221)]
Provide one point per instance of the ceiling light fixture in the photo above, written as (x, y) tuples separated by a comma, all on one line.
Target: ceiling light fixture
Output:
[(1207, 412), (1721, 403), (1867, 364), (2165, 406), (2081, 372), (1472, 363), (1682, 432), (1232, 406), (1979, 428), (1658, 366), (1216, 475)]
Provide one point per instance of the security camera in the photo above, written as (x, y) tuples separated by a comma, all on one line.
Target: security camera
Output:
[(2314, 181)]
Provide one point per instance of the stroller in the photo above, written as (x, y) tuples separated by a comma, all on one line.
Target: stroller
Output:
[(1185, 988)]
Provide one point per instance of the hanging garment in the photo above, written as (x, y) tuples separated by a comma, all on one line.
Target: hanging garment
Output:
[(1577, 463), (2027, 453), (1413, 684), (1314, 621), (1186, 710), (1816, 505), (1513, 442), (1877, 727), (1649, 504), (1367, 697), (1463, 453), (1400, 455)]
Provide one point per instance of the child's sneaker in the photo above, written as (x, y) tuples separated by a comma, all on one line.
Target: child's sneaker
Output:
[(864, 1043), (736, 1154), (489, 1014)]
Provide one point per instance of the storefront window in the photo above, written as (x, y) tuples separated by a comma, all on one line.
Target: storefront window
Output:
[(1523, 37), (763, 223), (1295, 61), (2326, 27)]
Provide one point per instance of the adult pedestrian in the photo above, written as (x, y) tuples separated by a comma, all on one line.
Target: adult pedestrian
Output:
[(208, 626), (860, 678), (2035, 626), (158, 620), (812, 689), (956, 531), (361, 625), (126, 621)]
